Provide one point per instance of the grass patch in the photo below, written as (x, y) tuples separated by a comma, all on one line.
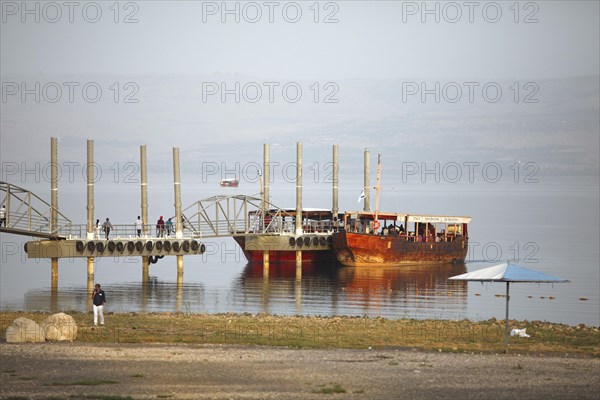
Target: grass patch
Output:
[(330, 332), (137, 375), (84, 382), (9, 371), (26, 378), (164, 396), (330, 389)]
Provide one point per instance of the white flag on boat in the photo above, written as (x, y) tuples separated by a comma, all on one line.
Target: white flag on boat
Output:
[(362, 195)]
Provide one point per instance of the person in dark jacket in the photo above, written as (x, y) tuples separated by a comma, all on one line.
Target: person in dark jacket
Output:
[(99, 299)]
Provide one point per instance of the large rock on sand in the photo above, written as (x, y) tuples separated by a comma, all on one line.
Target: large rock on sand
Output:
[(24, 330), (60, 327)]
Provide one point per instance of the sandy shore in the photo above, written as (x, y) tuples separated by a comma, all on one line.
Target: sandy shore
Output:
[(151, 371)]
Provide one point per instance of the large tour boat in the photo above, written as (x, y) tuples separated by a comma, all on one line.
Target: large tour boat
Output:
[(388, 239)]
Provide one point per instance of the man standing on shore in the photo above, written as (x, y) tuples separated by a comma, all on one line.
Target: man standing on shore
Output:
[(99, 299)]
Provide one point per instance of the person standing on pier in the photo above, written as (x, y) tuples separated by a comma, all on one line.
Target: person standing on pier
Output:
[(107, 226), (160, 227), (98, 228), (138, 226), (169, 225), (99, 299)]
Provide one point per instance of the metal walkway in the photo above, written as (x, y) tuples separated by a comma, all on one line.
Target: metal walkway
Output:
[(217, 216), (29, 215), (221, 216)]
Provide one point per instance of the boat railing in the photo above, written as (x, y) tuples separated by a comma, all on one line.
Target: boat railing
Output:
[(279, 225)]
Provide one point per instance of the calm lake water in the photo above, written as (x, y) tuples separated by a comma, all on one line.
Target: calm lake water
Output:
[(551, 227)]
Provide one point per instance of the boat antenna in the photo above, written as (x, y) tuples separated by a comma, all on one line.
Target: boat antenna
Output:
[(377, 188)]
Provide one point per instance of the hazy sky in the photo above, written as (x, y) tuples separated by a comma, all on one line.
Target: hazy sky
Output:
[(352, 39), (366, 56)]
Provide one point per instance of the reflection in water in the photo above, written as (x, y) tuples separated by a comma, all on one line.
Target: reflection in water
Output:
[(150, 296), (391, 292), (415, 290)]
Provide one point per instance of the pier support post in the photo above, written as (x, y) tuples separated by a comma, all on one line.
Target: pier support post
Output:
[(298, 294), (299, 262), (266, 260), (179, 270), (90, 282), (145, 269), (54, 274), (299, 221), (178, 219), (90, 217), (54, 205)]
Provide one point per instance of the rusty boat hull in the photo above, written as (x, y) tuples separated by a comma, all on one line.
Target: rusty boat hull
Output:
[(360, 250)]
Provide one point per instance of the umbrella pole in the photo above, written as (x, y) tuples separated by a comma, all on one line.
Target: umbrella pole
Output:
[(506, 321)]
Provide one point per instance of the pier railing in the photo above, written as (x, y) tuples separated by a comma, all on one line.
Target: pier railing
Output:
[(122, 231), (27, 214), (243, 215)]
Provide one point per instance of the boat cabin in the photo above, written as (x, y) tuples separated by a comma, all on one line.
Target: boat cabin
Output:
[(314, 220), (414, 228)]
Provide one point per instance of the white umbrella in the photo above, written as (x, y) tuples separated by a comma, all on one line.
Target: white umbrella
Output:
[(507, 272)]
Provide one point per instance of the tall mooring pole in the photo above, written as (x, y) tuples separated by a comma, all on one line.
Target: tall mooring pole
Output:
[(144, 200), (298, 205), (334, 205), (90, 216), (178, 219), (144, 190), (265, 198), (54, 205), (367, 182)]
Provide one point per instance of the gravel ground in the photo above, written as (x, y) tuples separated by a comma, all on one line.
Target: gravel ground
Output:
[(151, 371)]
